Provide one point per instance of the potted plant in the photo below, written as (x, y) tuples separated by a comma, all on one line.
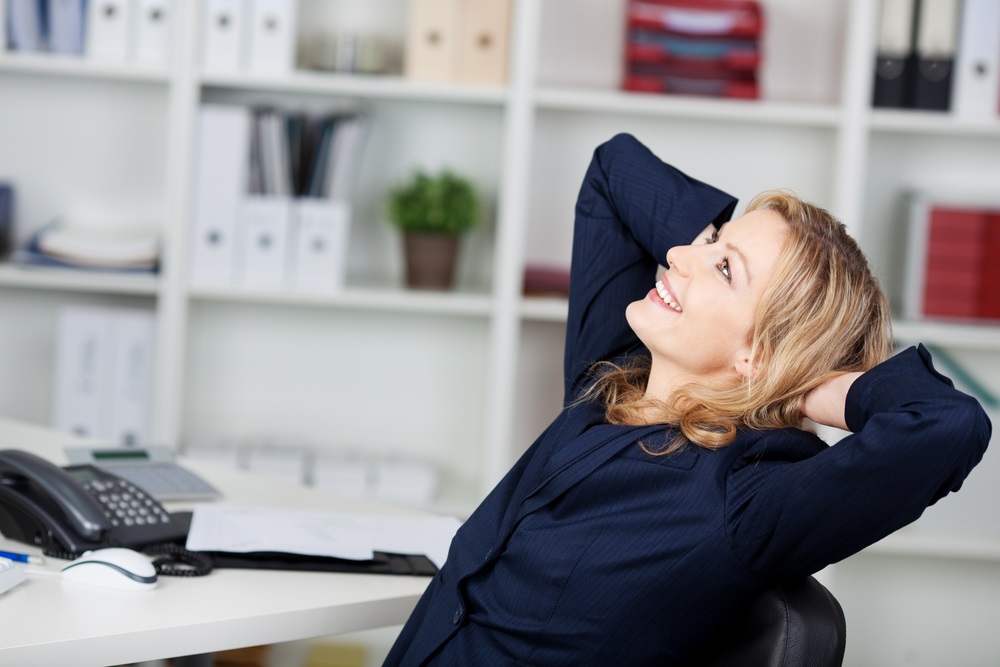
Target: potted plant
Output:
[(433, 211)]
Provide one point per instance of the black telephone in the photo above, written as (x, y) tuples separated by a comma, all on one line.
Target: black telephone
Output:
[(67, 511)]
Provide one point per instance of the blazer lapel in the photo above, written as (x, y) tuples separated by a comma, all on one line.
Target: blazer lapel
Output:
[(570, 465)]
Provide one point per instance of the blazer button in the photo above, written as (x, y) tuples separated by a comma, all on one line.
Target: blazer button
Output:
[(458, 615)]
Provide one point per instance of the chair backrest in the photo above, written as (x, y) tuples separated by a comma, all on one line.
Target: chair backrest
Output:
[(795, 623)]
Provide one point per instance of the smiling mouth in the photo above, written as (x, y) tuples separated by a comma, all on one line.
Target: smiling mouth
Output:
[(668, 299)]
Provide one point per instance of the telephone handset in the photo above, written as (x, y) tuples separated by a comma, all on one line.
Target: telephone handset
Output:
[(78, 508)]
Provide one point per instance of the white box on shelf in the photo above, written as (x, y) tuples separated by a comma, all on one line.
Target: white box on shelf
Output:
[(321, 231), (349, 477), (222, 157), (130, 391), (277, 462), (223, 35), (219, 452), (153, 29), (272, 34), (406, 482), (265, 225), (109, 29), (82, 370)]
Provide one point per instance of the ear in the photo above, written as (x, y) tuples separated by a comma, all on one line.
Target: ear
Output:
[(744, 364)]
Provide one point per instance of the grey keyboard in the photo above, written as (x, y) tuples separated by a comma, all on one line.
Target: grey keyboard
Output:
[(164, 481)]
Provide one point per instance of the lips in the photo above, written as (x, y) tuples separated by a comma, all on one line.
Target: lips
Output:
[(665, 293)]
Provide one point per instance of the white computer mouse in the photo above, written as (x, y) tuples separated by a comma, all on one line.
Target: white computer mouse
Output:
[(113, 567)]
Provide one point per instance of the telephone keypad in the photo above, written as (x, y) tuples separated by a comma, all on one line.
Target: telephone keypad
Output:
[(125, 504)]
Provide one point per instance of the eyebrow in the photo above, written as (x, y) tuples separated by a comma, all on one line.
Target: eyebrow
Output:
[(743, 259)]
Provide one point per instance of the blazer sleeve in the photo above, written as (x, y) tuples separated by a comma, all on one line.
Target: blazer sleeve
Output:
[(915, 439), (631, 209)]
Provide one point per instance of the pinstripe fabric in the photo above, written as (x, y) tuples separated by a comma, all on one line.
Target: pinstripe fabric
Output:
[(591, 552)]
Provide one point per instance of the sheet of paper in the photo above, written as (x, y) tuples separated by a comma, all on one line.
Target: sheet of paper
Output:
[(246, 529)]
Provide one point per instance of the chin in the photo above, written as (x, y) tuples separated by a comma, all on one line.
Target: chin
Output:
[(639, 320)]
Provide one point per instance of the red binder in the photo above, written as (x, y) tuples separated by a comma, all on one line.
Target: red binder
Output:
[(960, 279)]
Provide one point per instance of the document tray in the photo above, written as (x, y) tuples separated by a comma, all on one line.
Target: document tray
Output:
[(382, 563)]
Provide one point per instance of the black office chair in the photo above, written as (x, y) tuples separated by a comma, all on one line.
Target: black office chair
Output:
[(796, 623)]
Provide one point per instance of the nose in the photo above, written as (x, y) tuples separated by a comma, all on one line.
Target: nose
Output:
[(677, 258)]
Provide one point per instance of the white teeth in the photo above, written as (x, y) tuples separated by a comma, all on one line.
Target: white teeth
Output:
[(665, 295)]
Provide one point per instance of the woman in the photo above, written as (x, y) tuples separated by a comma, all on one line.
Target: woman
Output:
[(677, 480)]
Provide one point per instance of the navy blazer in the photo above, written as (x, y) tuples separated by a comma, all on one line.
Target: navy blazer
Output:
[(592, 552)]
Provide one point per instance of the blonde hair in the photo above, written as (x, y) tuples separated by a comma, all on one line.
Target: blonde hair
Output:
[(823, 314)]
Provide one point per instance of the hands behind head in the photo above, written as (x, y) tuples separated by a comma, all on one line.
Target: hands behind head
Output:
[(826, 403)]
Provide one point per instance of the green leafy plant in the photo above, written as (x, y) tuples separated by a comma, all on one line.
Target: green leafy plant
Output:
[(429, 204)]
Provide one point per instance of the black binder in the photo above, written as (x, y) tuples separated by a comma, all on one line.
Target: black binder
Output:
[(895, 59), (936, 41), (382, 563)]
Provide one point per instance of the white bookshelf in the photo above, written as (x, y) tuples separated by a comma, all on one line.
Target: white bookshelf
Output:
[(358, 85), (751, 112), (465, 379), (76, 281), (43, 64), (385, 299)]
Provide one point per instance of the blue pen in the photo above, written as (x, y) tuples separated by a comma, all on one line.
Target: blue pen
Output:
[(22, 558)]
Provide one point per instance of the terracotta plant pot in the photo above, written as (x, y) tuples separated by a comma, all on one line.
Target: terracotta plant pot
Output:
[(430, 260)]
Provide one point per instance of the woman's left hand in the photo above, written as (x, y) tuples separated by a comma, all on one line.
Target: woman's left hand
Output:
[(826, 403)]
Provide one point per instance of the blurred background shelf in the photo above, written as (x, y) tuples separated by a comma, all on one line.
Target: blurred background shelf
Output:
[(358, 85), (68, 280), (75, 66), (586, 100)]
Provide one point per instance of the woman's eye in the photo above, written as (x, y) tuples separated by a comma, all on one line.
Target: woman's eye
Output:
[(724, 269)]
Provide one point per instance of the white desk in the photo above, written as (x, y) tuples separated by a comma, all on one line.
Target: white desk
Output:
[(46, 621)]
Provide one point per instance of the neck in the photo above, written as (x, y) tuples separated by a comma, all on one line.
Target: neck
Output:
[(665, 379)]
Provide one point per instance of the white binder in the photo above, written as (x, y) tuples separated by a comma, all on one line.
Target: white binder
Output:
[(109, 29), (272, 36), (82, 371), (221, 173), (130, 386), (977, 63), (265, 223), (482, 42), (223, 34), (321, 230), (432, 39), (153, 28), (66, 20)]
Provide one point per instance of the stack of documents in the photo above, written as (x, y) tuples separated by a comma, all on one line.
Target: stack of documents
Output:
[(351, 536)]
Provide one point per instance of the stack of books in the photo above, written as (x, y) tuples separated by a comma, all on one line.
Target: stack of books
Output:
[(92, 246), (951, 272), (693, 47)]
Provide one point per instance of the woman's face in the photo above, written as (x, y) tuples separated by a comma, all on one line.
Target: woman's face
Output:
[(697, 320)]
